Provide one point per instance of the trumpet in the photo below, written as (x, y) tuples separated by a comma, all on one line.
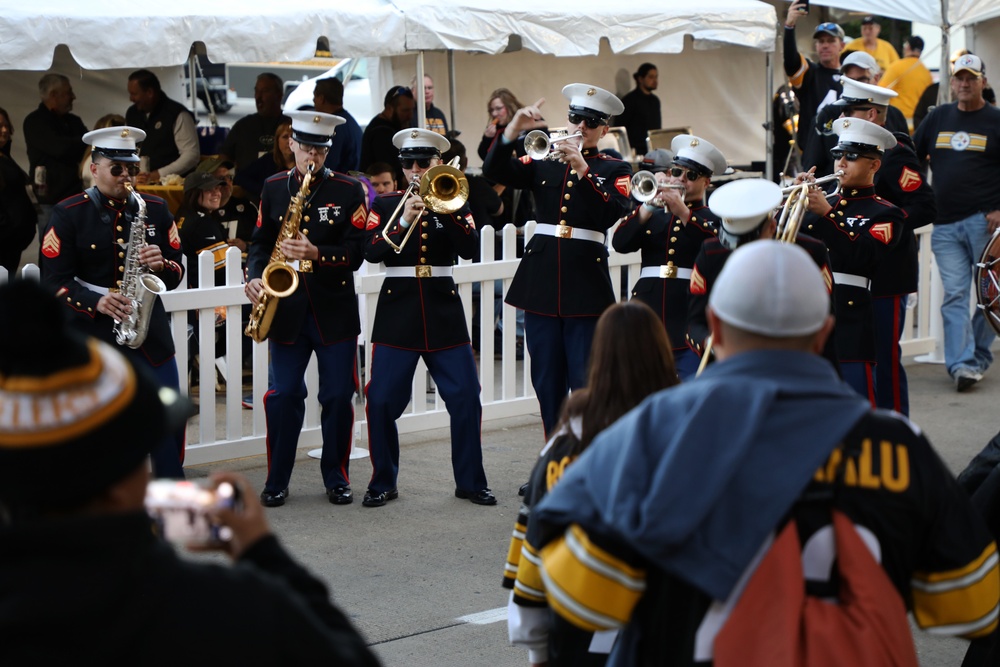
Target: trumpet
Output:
[(796, 204), (443, 189), (645, 188), (538, 145)]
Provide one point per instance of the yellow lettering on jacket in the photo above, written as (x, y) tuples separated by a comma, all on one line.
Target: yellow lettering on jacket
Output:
[(887, 468), (555, 470)]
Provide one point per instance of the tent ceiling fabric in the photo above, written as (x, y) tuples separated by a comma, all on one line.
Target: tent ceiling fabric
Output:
[(107, 35), (960, 12), (576, 29)]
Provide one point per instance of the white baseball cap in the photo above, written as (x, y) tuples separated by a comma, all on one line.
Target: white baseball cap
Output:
[(969, 63), (860, 59), (772, 289)]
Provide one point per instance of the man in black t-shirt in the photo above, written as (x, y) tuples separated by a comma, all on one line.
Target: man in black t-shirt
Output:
[(642, 108)]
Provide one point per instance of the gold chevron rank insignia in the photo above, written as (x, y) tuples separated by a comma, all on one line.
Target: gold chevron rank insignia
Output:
[(51, 244), (359, 217), (882, 231), (909, 180), (174, 237), (624, 185), (697, 282), (827, 278)]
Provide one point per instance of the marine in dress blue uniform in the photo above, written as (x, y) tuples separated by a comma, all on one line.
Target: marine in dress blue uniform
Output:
[(745, 211), (420, 315), (562, 282), (669, 232), (858, 227), (83, 263), (901, 180), (321, 317)]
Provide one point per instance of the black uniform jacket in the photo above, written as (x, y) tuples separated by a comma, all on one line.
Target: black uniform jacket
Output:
[(87, 238), (333, 219), (858, 231), (901, 180), (662, 239), (565, 277), (423, 314), (707, 267)]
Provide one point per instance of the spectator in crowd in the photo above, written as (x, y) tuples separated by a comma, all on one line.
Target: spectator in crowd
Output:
[(200, 227), (237, 214), (376, 142), (72, 494), (434, 118), (382, 177), (816, 84), (251, 179), (345, 153), (882, 51), (107, 120), (630, 360), (17, 214), (908, 77), (253, 136), (171, 145), (642, 108), (53, 138), (929, 99), (670, 510), (961, 138), (501, 108)]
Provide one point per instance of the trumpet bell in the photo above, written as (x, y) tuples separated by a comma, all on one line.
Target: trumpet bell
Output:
[(537, 144), (444, 189), (644, 186)]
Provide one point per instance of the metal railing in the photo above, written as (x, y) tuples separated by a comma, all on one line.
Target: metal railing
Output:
[(224, 430)]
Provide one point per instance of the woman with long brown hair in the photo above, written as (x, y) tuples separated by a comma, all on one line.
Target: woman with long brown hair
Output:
[(251, 178), (501, 107), (630, 359)]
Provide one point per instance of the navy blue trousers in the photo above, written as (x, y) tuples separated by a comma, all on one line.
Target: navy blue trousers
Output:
[(285, 405), (891, 388), (860, 375), (686, 362), (560, 350), (388, 392), (168, 456)]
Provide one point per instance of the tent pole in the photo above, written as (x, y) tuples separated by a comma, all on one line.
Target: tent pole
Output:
[(192, 73), (769, 116), (944, 89), (418, 92), (451, 88)]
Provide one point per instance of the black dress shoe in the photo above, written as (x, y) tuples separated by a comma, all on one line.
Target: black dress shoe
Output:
[(373, 499), (340, 495), (523, 490), (268, 499), (483, 497)]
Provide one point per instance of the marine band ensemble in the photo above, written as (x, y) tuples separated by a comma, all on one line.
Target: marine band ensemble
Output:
[(778, 310)]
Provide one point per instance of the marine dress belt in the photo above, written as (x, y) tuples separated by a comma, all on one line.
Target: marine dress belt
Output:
[(665, 271), (93, 288), (567, 232), (850, 279), (422, 271)]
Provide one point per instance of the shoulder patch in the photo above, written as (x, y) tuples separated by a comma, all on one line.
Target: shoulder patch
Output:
[(909, 180), (882, 231), (358, 218), (259, 216), (697, 282), (624, 185), (51, 244), (827, 278), (525, 159), (374, 220), (174, 237), (468, 219)]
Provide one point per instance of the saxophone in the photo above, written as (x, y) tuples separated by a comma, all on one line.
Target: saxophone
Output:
[(139, 286), (280, 278)]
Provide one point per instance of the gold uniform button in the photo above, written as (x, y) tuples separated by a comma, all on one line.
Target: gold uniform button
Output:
[(119, 227), (78, 303), (572, 172), (673, 239), (322, 259), (562, 222), (305, 218), (121, 240), (424, 223), (453, 292), (677, 228), (810, 226), (423, 260), (121, 254), (423, 248), (843, 202), (850, 303), (423, 236), (841, 224), (343, 282), (566, 196), (671, 251), (840, 213), (598, 259), (90, 310), (93, 247), (649, 231), (305, 232), (851, 233), (69, 299), (388, 291), (564, 209), (569, 184), (693, 218)]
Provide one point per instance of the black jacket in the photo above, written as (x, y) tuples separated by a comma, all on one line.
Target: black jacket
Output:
[(55, 142)]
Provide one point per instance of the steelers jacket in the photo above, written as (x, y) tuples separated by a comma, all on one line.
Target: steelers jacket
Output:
[(87, 240), (333, 218), (858, 231), (420, 313), (565, 277), (664, 240)]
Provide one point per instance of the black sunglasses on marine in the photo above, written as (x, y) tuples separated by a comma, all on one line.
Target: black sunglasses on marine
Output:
[(577, 119), (423, 163), (851, 156), (690, 173), (119, 169)]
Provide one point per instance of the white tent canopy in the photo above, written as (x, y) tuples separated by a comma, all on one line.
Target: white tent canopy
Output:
[(114, 35), (945, 13), (576, 29)]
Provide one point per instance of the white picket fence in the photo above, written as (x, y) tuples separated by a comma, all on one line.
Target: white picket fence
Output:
[(220, 431)]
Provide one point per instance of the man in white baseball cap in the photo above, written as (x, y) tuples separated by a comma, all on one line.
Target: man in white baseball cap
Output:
[(321, 315), (563, 283)]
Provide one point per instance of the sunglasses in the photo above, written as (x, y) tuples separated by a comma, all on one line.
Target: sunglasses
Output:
[(691, 174), (119, 169), (826, 27), (577, 119), (423, 163), (852, 156)]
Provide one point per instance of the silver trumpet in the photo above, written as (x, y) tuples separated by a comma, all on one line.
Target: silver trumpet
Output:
[(796, 205), (538, 144), (819, 181), (646, 189)]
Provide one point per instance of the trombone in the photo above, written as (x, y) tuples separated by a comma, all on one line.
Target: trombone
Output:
[(796, 204), (538, 144), (443, 189), (645, 188)]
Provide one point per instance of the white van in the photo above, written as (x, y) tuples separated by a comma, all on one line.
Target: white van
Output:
[(353, 72)]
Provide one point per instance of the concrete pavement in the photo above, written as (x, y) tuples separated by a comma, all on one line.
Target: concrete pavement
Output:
[(409, 573)]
